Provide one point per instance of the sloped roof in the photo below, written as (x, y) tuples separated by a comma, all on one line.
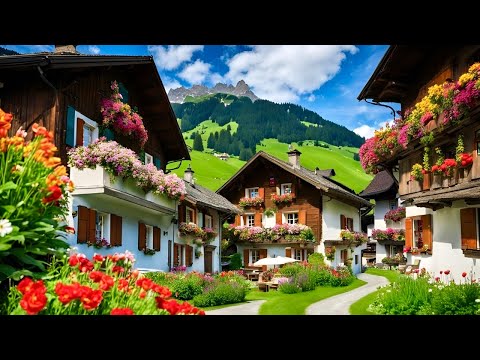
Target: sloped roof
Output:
[(325, 173), (322, 183), (198, 194), (381, 183)]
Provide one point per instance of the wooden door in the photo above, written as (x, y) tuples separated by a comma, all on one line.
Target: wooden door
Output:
[(208, 261)]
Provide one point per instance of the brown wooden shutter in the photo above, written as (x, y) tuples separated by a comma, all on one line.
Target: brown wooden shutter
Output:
[(288, 252), (350, 224), (82, 231), (278, 217), (156, 238), (79, 140), (258, 219), (468, 228), (294, 187), (115, 230), (194, 220), (263, 254), (408, 232), (261, 193), (427, 231), (142, 234), (92, 220), (175, 255), (188, 255), (246, 254), (169, 260), (343, 222), (302, 217), (237, 220), (181, 213)]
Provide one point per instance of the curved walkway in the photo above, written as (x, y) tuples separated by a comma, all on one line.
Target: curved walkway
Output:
[(250, 308), (340, 304)]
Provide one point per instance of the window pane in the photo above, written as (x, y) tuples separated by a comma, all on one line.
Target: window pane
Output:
[(87, 135), (253, 192), (148, 159), (292, 218), (250, 220)]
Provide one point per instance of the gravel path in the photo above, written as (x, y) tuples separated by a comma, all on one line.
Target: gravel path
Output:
[(340, 304)]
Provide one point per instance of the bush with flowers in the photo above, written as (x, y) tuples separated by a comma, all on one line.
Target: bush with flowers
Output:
[(121, 117), (453, 99), (395, 215), (190, 229), (250, 202), (283, 199), (354, 237), (75, 285), (33, 201), (121, 161), (388, 234)]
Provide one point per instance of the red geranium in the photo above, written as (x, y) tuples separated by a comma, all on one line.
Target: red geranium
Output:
[(98, 258), (96, 276), (34, 301), (122, 311), (85, 265), (25, 285), (91, 298), (55, 193), (106, 282), (67, 293), (447, 272)]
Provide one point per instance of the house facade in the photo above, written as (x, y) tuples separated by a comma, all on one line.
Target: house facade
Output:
[(65, 92), (388, 214), (291, 211), (198, 228), (438, 154)]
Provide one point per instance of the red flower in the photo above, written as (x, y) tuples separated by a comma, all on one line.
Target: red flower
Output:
[(96, 276), (34, 301), (91, 298), (447, 272), (98, 258), (122, 311), (171, 306), (118, 269), (25, 285), (437, 279), (67, 293), (163, 291), (142, 294), (106, 283), (70, 230), (54, 192), (464, 274), (145, 284), (134, 274), (73, 260), (123, 284), (85, 265)]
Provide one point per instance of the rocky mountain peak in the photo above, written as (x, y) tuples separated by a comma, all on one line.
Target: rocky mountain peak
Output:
[(178, 95)]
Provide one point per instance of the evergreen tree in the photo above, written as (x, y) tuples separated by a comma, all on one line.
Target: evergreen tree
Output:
[(198, 143), (192, 135), (211, 141), (246, 154), (229, 128), (216, 135)]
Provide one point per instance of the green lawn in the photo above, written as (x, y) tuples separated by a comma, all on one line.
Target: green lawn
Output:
[(279, 303), (360, 307)]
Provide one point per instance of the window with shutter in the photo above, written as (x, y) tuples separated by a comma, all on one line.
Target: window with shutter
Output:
[(142, 233), (156, 238), (343, 222), (468, 223), (409, 232), (350, 224), (288, 252), (181, 213), (188, 255), (70, 133), (83, 217), (115, 230), (92, 226)]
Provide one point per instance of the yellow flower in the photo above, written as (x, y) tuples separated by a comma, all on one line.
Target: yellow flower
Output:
[(475, 68), (465, 78)]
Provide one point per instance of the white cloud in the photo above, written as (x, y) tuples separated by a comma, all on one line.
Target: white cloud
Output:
[(170, 83), (93, 49), (172, 56), (311, 98), (365, 131), (198, 73), (284, 72)]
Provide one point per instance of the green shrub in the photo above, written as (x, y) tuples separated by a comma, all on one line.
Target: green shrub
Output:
[(235, 262), (455, 299), (304, 282), (220, 293), (316, 259), (289, 288), (186, 288), (290, 270), (320, 276)]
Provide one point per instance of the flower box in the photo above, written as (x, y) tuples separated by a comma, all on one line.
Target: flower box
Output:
[(427, 181), (437, 181), (98, 181)]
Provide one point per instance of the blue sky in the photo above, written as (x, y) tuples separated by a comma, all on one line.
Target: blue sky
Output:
[(324, 78)]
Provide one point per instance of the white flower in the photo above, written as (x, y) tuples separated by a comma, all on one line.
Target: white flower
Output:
[(5, 227), (389, 290), (477, 300), (430, 290)]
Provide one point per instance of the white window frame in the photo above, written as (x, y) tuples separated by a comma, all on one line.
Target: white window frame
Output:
[(180, 254), (247, 218), (257, 255), (298, 254), (149, 236), (248, 192), (188, 218), (208, 222), (285, 215), (92, 124), (284, 187), (148, 158), (393, 204), (102, 230)]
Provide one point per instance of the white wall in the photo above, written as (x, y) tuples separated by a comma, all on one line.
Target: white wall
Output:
[(446, 249), (357, 250), (131, 215), (268, 221), (332, 209)]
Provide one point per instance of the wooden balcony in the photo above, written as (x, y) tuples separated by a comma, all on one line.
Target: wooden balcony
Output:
[(97, 182)]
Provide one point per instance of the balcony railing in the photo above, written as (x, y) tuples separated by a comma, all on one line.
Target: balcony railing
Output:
[(98, 181)]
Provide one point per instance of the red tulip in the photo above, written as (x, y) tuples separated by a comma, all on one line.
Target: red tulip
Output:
[(464, 274)]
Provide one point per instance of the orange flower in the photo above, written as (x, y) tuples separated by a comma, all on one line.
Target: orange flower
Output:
[(5, 123)]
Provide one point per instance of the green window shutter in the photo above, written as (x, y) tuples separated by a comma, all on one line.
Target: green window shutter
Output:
[(70, 135), (124, 92), (156, 161), (108, 134)]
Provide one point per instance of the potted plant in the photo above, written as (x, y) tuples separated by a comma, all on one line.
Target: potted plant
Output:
[(427, 175), (416, 173), (269, 212), (437, 170)]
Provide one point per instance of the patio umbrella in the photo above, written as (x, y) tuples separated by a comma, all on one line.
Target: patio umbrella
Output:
[(278, 260)]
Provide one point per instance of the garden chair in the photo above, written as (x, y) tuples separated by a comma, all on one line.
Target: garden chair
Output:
[(380, 265), (410, 267)]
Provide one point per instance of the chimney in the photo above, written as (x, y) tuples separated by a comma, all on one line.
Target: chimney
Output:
[(188, 175), (294, 158), (66, 49)]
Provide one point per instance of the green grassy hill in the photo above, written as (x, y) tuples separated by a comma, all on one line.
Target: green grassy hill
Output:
[(212, 172)]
